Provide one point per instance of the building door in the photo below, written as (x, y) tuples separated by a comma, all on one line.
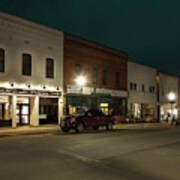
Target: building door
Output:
[(23, 114), (2, 109)]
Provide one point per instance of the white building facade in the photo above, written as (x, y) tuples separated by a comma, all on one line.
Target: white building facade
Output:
[(168, 86), (142, 99), (31, 72)]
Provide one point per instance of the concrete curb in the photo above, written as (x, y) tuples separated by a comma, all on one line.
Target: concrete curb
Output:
[(28, 131), (143, 126), (56, 129)]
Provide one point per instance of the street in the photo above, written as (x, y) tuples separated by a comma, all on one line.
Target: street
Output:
[(121, 154)]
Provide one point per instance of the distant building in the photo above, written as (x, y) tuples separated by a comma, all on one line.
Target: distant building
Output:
[(168, 86), (105, 71), (31, 62), (142, 92)]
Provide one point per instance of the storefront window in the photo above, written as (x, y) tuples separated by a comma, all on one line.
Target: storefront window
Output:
[(105, 108), (77, 104), (5, 119)]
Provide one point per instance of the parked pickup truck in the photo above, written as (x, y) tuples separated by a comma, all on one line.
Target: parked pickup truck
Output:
[(93, 118)]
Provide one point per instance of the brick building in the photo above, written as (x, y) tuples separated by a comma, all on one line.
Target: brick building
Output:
[(105, 71)]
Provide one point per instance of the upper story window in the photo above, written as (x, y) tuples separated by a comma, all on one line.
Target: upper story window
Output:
[(104, 77), (152, 89), (27, 64), (117, 80), (2, 60), (50, 68), (133, 86), (143, 88), (78, 69), (94, 75)]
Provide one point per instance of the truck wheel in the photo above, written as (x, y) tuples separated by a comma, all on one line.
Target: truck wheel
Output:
[(79, 127), (109, 126), (95, 127), (65, 130)]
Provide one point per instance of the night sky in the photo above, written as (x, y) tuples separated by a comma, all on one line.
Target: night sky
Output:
[(149, 30)]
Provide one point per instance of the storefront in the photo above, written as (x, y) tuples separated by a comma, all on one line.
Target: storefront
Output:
[(5, 119), (48, 110), (75, 104), (29, 107), (169, 111), (143, 112)]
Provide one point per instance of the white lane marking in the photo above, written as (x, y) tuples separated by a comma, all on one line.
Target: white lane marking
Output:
[(79, 157)]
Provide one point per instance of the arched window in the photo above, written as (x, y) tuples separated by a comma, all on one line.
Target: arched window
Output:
[(27, 64), (2, 60)]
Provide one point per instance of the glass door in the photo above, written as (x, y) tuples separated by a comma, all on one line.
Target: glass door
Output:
[(23, 114)]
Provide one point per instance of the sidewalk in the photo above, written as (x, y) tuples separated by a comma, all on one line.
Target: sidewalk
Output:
[(28, 130), (49, 129), (140, 126)]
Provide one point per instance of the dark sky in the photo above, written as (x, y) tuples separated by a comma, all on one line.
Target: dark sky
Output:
[(149, 30)]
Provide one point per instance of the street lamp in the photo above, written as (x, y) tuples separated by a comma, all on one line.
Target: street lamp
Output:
[(172, 100), (172, 97), (81, 82)]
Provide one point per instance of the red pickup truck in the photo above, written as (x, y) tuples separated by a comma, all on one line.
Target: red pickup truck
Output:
[(93, 118)]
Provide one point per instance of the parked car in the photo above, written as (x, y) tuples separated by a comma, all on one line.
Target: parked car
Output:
[(93, 118)]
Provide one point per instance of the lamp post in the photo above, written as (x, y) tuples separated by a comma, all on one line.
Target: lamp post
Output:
[(172, 100), (81, 82)]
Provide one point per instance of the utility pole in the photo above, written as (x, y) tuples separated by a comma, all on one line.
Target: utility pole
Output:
[(158, 95)]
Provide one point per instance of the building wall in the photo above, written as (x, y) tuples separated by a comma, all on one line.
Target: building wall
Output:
[(141, 75), (78, 51), (18, 36), (168, 84)]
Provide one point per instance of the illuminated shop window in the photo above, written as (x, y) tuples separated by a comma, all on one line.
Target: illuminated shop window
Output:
[(105, 108)]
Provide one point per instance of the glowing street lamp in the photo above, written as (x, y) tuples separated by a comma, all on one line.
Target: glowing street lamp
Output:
[(172, 97), (81, 81), (172, 100)]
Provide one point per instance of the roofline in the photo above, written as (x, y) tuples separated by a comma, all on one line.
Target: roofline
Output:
[(96, 45), (158, 70), (167, 73), (29, 23)]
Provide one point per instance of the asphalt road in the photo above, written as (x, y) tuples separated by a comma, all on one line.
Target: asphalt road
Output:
[(124, 154)]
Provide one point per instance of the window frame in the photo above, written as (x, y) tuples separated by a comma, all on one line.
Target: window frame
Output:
[(50, 71), (28, 65), (2, 60), (78, 69), (117, 80), (104, 77)]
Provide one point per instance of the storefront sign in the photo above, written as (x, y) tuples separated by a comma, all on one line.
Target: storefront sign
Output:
[(88, 91), (4, 99), (29, 92)]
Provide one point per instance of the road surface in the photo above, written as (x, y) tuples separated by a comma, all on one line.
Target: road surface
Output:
[(121, 154)]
